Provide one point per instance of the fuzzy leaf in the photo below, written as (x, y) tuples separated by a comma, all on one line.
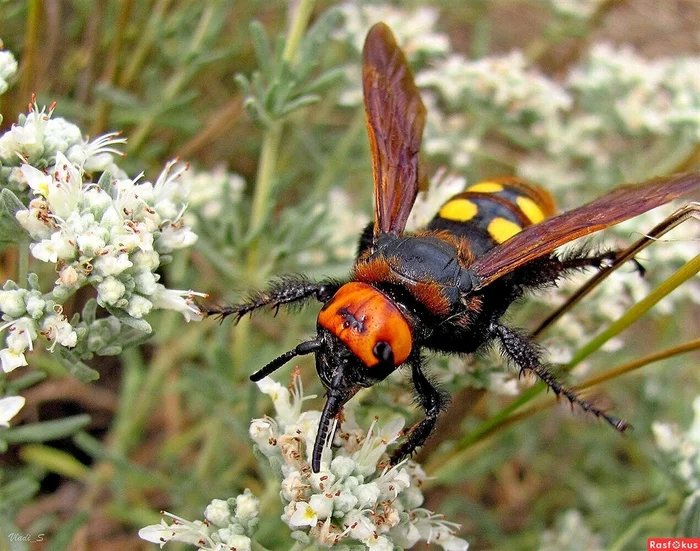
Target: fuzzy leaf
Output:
[(10, 229), (46, 430), (314, 42), (75, 367), (138, 324), (261, 45), (33, 281), (89, 311), (106, 182)]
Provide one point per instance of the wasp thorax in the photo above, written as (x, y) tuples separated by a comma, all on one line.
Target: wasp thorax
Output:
[(369, 324)]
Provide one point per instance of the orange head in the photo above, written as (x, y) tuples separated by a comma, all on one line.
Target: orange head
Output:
[(369, 324)]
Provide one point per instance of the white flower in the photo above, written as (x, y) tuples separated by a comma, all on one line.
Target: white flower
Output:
[(349, 498), (59, 135), (58, 331), (235, 541), (12, 303), (138, 306), (36, 219), (175, 236), (247, 506), (218, 512), (180, 301), (264, 434), (64, 187), (37, 180), (96, 156), (11, 359), (9, 407), (304, 515), (24, 140), (111, 263), (110, 291), (21, 334), (193, 533), (8, 69), (91, 242), (287, 404), (415, 30), (322, 505), (50, 250)]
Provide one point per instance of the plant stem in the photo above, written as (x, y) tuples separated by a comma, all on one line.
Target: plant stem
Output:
[(267, 167), (22, 264), (28, 74), (177, 81), (300, 21)]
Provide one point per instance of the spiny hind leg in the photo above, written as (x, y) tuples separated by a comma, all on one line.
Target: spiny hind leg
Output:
[(523, 354)]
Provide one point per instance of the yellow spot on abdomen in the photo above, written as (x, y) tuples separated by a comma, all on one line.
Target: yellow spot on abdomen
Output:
[(459, 210), (501, 229), (486, 187), (530, 209)]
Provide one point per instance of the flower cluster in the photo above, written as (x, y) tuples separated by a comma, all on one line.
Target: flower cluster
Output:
[(356, 495), (38, 137), (506, 86), (208, 191), (660, 96), (415, 30), (109, 235), (571, 533), (228, 525), (681, 450), (8, 68), (112, 235)]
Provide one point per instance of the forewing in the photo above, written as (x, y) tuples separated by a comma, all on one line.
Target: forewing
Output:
[(395, 119), (618, 205)]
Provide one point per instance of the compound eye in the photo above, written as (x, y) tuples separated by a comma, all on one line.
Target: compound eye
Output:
[(384, 353)]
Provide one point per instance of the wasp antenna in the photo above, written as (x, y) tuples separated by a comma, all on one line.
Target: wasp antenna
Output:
[(307, 347)]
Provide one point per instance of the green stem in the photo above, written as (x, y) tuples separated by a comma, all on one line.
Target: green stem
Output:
[(267, 167), (688, 270), (22, 264), (176, 82), (28, 76), (302, 15)]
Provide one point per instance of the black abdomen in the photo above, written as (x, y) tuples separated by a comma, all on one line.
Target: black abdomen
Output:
[(489, 213)]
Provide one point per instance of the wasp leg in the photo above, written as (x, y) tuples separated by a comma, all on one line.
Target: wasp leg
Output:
[(432, 401), (686, 212), (288, 290), (547, 270), (524, 354)]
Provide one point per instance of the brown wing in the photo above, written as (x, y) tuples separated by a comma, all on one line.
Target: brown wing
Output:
[(618, 205), (395, 120)]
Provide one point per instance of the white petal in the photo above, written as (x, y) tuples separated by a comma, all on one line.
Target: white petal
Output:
[(9, 407), (11, 360)]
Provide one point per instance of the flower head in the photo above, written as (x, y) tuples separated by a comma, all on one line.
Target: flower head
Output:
[(356, 495)]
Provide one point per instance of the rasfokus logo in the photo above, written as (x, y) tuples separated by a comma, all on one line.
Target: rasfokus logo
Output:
[(673, 544)]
